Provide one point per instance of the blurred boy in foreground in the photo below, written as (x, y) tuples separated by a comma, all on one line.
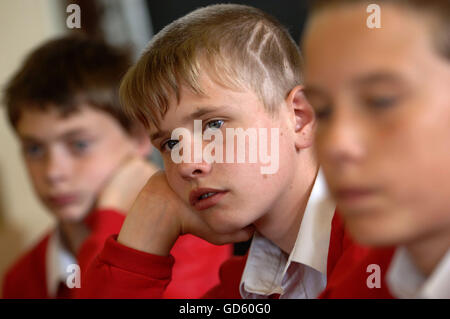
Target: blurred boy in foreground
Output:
[(382, 100)]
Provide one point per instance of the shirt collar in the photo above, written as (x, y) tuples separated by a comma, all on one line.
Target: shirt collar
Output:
[(406, 281), (58, 259), (267, 264), (313, 239)]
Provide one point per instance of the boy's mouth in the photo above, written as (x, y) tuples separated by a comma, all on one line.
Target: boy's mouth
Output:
[(204, 198), (354, 196), (61, 200)]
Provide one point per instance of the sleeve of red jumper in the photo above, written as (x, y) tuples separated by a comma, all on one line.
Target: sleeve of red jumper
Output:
[(102, 223), (196, 269), (122, 272), (336, 242), (27, 277)]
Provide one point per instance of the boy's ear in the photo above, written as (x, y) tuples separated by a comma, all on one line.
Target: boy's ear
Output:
[(141, 139), (303, 118)]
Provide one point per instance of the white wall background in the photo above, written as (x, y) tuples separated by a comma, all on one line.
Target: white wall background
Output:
[(23, 25)]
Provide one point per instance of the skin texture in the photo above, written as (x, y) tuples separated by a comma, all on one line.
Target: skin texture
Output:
[(72, 160), (273, 204), (382, 103)]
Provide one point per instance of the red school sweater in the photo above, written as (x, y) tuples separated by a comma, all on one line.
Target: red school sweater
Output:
[(122, 272), (350, 271), (27, 277)]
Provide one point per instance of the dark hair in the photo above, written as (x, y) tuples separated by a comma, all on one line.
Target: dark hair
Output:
[(68, 72), (439, 9)]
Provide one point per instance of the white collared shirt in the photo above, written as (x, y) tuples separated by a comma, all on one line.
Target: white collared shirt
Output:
[(407, 282), (58, 259), (302, 274)]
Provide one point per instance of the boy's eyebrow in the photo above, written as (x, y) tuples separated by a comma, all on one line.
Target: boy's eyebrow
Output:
[(72, 133), (158, 134), (29, 139), (200, 112), (312, 90), (69, 134), (372, 78), (190, 117), (377, 77)]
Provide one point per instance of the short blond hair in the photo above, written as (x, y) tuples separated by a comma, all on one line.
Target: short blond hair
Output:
[(239, 46)]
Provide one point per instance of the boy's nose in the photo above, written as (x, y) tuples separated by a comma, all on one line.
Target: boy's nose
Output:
[(194, 170), (56, 168), (339, 144)]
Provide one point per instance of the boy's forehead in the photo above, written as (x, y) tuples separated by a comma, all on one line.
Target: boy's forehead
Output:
[(339, 27), (360, 50), (51, 121), (217, 101), (34, 118), (214, 96)]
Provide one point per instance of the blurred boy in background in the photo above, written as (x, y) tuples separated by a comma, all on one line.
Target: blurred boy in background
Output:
[(87, 162)]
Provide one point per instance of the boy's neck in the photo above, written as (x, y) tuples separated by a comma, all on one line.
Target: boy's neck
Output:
[(73, 235), (427, 253), (281, 225)]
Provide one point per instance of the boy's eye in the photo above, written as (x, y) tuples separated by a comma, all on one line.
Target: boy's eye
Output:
[(33, 151), (79, 146), (215, 124), (167, 146), (381, 101)]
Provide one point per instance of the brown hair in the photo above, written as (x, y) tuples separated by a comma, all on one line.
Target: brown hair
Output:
[(438, 9), (65, 73), (240, 46)]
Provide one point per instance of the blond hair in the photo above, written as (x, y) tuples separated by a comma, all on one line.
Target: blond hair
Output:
[(237, 46)]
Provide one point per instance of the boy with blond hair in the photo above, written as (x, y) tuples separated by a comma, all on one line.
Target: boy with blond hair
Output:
[(382, 103), (229, 67)]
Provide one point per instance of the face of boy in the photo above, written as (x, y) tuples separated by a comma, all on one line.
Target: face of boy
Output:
[(242, 195), (382, 102), (69, 159)]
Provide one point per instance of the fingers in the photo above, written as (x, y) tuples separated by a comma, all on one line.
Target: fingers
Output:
[(136, 169), (127, 159)]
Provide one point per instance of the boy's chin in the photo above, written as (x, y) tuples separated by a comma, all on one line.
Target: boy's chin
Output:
[(374, 236), (224, 225), (70, 214)]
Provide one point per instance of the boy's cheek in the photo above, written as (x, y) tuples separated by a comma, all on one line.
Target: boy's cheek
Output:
[(180, 188), (76, 212), (38, 180)]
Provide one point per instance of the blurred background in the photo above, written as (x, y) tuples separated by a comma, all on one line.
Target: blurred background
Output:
[(25, 24)]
